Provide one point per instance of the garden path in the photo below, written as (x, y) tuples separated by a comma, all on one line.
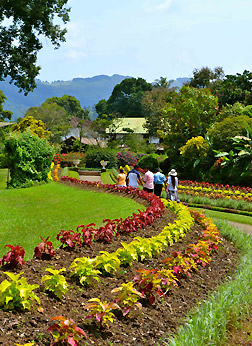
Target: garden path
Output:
[(90, 177), (243, 227)]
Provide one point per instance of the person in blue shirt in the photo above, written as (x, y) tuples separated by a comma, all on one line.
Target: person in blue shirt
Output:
[(159, 180)]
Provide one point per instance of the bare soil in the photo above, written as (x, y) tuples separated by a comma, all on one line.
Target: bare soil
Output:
[(148, 327)]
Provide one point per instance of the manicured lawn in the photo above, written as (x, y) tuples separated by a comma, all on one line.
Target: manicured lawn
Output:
[(226, 216), (27, 214)]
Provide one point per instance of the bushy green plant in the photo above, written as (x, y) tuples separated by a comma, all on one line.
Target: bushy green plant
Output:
[(149, 161), (17, 293), (94, 156), (83, 268), (29, 158), (55, 283)]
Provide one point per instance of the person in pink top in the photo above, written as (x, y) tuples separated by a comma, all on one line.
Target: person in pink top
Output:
[(148, 179)]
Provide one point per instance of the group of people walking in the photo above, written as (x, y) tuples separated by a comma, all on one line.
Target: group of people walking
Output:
[(151, 182)]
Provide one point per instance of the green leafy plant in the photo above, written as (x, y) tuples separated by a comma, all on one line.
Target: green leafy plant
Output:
[(55, 283), (29, 159), (83, 268), (127, 297), (17, 293), (107, 262), (127, 254), (101, 311), (65, 332)]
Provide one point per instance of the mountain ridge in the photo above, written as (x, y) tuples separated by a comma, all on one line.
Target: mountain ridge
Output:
[(88, 91)]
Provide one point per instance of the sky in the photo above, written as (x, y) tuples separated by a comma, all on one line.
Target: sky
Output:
[(150, 39)]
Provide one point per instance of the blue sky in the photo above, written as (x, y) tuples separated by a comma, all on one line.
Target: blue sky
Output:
[(151, 38)]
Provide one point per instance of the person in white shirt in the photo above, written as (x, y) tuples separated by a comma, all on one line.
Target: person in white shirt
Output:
[(133, 176), (172, 184)]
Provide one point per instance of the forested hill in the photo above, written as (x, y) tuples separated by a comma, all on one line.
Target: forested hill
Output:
[(88, 91)]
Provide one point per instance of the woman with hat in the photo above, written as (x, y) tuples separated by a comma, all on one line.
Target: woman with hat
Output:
[(172, 183)]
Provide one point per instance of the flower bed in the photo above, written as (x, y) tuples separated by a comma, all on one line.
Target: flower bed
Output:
[(215, 191), (139, 330)]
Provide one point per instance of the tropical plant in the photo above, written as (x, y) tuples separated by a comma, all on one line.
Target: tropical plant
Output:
[(17, 293), (69, 239), (83, 269), (127, 297), (107, 262), (148, 282), (14, 257), (55, 283), (65, 332), (44, 250), (100, 311)]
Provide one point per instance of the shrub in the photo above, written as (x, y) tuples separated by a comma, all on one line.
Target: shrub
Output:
[(126, 158), (94, 156), (29, 159), (149, 161)]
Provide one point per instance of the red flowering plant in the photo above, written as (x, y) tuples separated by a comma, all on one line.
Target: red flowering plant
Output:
[(14, 257)]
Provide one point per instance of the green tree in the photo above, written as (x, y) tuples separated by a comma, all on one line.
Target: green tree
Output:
[(55, 119), (190, 113), (23, 23), (3, 113), (234, 88), (71, 105), (36, 127), (163, 82), (126, 98), (154, 103), (205, 77), (222, 132)]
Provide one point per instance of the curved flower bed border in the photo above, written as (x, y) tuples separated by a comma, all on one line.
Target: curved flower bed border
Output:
[(117, 226), (149, 283)]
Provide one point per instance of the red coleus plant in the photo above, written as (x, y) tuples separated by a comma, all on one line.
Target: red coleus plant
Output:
[(148, 283), (44, 250), (89, 233), (69, 239), (14, 257), (65, 332)]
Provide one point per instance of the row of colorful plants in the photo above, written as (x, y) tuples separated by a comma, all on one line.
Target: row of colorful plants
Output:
[(148, 282), (215, 191), (19, 294)]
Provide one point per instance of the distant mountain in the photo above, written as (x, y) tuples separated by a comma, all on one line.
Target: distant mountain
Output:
[(88, 91)]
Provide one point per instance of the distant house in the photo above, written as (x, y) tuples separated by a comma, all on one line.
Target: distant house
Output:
[(69, 141), (122, 126), (86, 138)]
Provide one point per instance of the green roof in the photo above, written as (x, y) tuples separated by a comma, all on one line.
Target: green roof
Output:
[(135, 124)]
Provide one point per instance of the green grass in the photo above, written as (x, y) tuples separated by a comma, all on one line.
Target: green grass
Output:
[(106, 178), (224, 203), (226, 216), (27, 214)]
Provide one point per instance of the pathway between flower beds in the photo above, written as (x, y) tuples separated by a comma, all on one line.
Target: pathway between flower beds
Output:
[(89, 176)]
